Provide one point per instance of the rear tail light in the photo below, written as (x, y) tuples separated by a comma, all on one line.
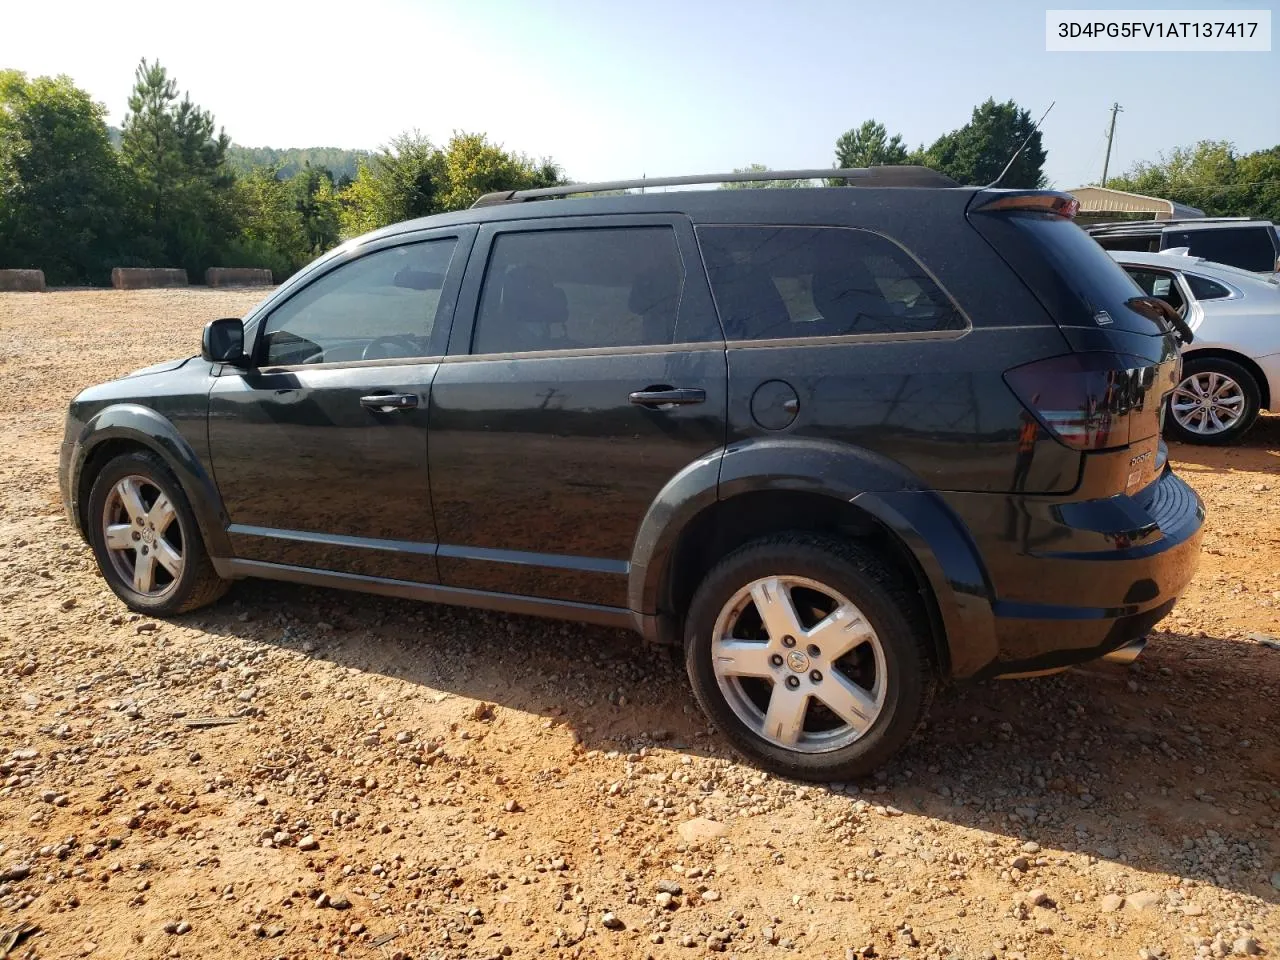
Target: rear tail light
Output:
[(1084, 399)]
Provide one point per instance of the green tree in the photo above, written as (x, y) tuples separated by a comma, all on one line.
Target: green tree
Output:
[(474, 167), (411, 177), (60, 182), (316, 201), (402, 180), (272, 232), (184, 188), (868, 146), (1212, 176), (977, 152), (762, 184)]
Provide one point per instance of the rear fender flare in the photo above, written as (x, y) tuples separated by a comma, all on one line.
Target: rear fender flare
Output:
[(939, 544)]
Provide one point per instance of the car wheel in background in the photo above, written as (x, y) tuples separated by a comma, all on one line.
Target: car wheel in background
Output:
[(1216, 402)]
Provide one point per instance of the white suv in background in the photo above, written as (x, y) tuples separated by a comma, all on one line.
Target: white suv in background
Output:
[(1231, 371)]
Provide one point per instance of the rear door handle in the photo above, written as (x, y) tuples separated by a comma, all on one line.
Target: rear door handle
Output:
[(660, 397), (387, 402)]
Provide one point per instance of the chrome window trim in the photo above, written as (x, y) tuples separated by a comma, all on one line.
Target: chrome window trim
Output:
[(569, 352)]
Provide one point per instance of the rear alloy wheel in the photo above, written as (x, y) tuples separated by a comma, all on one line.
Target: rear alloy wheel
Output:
[(798, 664), (146, 540), (809, 655), (1216, 402)]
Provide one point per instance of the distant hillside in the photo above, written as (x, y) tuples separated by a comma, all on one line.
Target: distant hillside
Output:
[(289, 160)]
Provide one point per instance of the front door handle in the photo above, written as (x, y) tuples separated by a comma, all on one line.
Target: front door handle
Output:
[(662, 397), (388, 402)]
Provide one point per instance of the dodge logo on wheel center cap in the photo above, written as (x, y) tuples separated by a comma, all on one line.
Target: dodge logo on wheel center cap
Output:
[(797, 661)]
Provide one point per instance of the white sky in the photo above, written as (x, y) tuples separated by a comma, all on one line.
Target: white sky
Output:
[(617, 89)]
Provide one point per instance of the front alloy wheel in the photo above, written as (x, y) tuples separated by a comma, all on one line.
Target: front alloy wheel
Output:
[(142, 536), (145, 537)]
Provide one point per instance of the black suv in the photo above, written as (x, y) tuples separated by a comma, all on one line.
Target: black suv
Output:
[(1236, 241), (838, 443)]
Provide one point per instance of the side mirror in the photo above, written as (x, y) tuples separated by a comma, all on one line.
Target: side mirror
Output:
[(223, 342)]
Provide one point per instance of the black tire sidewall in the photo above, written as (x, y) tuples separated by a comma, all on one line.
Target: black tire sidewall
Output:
[(155, 470), (1252, 402), (906, 693)]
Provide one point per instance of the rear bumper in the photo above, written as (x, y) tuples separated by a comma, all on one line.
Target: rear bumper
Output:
[(1075, 581)]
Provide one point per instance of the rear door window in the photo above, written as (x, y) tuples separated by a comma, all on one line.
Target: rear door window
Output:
[(775, 283), (1249, 248), (569, 289), (1158, 283)]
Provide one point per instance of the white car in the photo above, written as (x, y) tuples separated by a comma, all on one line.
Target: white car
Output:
[(1231, 370)]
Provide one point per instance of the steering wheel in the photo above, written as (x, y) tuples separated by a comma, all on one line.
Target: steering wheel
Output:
[(399, 346)]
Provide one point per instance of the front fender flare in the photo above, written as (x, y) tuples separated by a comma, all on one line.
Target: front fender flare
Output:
[(146, 427)]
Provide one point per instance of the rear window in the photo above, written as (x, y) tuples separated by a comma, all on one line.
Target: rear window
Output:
[(1249, 248), (785, 282), (1202, 288), (1097, 283)]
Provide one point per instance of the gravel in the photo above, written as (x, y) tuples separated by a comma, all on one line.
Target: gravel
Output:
[(467, 783)]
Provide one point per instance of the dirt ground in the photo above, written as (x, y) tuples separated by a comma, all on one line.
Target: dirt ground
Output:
[(401, 780)]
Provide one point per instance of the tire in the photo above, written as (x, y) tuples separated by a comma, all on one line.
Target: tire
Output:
[(196, 584), (1233, 383), (896, 659)]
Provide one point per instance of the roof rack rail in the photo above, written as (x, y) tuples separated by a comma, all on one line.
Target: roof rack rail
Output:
[(904, 175), (1143, 225)]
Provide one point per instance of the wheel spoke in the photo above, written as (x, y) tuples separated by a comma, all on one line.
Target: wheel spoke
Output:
[(852, 704), (161, 514), (1218, 425), (773, 603), (839, 632), (144, 572), (742, 658), (168, 558), (784, 720), (131, 498), (120, 536)]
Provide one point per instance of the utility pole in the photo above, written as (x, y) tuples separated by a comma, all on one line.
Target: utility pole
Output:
[(1115, 108)]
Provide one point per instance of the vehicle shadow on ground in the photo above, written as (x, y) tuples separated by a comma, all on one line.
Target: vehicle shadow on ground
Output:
[(1120, 763), (1256, 450)]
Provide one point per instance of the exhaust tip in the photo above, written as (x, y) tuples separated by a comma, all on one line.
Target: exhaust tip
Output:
[(1128, 653)]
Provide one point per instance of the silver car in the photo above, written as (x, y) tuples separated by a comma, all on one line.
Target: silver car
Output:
[(1231, 371)]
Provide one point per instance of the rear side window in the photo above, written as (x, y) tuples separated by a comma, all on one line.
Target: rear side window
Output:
[(783, 282), (1249, 248), (572, 289), (1202, 288), (1098, 284)]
